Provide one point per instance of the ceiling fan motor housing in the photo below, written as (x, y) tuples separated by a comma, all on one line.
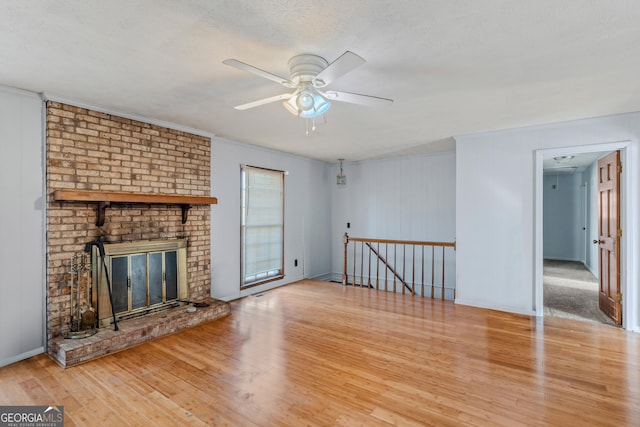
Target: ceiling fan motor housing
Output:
[(305, 67)]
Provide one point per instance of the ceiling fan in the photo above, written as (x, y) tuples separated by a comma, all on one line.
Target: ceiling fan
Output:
[(309, 75)]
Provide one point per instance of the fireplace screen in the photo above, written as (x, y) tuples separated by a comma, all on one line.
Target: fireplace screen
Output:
[(145, 277)]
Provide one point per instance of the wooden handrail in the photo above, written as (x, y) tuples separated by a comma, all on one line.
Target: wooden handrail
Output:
[(105, 198), (400, 242)]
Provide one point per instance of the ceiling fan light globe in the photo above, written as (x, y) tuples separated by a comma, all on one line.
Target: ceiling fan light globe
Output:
[(305, 101), (321, 107), (291, 107)]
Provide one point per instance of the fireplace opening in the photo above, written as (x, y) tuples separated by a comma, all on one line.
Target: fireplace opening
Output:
[(146, 277)]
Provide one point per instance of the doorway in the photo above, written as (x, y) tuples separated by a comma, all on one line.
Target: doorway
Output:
[(561, 253), (570, 223)]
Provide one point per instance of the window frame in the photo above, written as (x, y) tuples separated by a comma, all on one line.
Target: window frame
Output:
[(279, 274)]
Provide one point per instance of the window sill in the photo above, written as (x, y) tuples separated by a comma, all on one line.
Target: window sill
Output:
[(261, 282)]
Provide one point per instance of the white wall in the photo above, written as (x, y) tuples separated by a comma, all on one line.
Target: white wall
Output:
[(498, 222), (564, 217), (307, 216), (408, 198), (22, 260)]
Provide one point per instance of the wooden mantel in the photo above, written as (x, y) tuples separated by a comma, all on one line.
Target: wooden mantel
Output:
[(105, 198)]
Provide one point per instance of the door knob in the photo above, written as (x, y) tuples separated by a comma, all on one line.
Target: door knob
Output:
[(598, 241)]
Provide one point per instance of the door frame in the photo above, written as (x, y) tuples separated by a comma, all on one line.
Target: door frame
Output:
[(628, 220)]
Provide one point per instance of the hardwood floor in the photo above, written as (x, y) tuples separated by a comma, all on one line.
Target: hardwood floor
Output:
[(318, 353)]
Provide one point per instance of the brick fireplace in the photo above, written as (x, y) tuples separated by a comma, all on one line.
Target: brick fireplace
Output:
[(91, 150)]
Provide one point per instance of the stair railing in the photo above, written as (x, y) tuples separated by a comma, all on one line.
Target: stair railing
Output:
[(408, 265)]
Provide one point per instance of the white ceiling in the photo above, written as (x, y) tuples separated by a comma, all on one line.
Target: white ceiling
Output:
[(452, 66)]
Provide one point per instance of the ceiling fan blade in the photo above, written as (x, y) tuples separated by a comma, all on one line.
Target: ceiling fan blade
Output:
[(354, 98), (258, 72), (264, 101), (341, 66)]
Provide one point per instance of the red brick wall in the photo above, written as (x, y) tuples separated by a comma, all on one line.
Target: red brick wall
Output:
[(90, 150)]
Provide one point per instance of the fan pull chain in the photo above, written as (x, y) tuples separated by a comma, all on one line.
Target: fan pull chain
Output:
[(313, 123)]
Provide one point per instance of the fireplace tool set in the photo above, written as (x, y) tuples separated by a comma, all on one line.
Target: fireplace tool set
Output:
[(83, 316)]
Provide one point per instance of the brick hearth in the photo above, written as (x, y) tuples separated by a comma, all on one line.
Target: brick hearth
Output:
[(70, 352)]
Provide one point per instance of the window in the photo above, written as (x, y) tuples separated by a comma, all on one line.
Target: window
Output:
[(262, 225)]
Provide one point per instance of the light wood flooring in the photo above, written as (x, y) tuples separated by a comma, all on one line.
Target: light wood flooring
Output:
[(317, 353)]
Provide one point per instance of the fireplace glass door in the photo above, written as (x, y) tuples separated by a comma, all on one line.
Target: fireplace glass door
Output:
[(141, 281), (145, 277)]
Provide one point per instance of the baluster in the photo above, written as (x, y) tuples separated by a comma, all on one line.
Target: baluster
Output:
[(386, 269), (354, 263), (422, 271), (377, 266), (404, 264), (345, 240), (395, 251), (369, 268), (433, 278), (413, 270), (361, 263), (443, 273)]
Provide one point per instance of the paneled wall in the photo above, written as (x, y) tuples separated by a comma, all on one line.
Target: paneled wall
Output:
[(408, 198), (22, 256), (498, 218)]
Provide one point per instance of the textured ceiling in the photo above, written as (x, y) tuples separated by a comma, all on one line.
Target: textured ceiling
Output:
[(451, 66)]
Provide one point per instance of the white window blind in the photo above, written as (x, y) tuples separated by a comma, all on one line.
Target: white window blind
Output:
[(262, 225)]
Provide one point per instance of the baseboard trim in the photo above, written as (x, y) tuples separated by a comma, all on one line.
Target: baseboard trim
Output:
[(506, 309), (22, 356)]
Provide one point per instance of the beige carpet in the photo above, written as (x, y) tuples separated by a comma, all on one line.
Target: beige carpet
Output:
[(571, 291)]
